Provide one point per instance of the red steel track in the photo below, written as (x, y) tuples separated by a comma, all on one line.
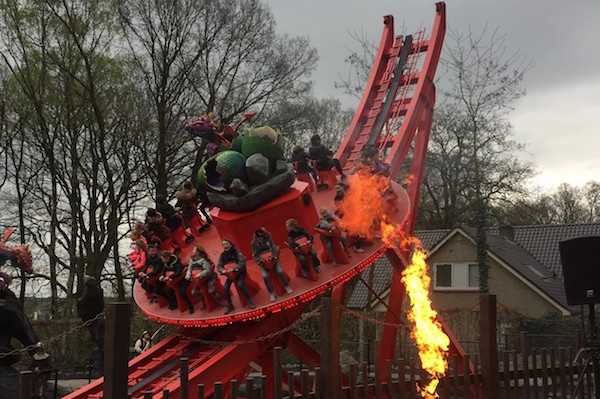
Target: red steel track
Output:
[(395, 116)]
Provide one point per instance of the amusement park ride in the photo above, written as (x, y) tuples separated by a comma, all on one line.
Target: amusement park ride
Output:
[(394, 116)]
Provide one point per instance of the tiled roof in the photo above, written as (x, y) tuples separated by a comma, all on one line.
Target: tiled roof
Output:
[(533, 253), (524, 263), (541, 241)]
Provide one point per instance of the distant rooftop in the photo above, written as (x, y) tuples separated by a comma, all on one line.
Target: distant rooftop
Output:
[(531, 250)]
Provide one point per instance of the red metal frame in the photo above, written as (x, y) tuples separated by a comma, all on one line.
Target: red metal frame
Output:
[(379, 105)]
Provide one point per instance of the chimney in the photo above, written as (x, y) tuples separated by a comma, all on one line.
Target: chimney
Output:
[(507, 232)]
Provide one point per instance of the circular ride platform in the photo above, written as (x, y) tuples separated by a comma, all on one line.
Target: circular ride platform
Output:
[(298, 203)]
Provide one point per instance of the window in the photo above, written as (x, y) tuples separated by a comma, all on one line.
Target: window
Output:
[(473, 275), (443, 276), (456, 276)]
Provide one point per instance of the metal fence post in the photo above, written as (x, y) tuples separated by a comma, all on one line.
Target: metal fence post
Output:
[(116, 350), (25, 384), (183, 377), (489, 349)]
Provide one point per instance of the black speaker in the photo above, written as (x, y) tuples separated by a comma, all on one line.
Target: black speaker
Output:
[(581, 269)]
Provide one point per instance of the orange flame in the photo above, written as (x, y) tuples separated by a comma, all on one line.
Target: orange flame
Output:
[(367, 212), (432, 342), (366, 204)]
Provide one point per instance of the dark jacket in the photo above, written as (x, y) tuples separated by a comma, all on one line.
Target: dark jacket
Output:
[(320, 153), (294, 235), (155, 225), (154, 266), (170, 215), (261, 245), (231, 256), (174, 265), (302, 160)]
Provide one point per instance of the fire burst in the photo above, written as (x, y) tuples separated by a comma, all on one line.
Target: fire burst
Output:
[(367, 208), (432, 342)]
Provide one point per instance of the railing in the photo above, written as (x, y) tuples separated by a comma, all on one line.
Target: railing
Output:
[(539, 374)]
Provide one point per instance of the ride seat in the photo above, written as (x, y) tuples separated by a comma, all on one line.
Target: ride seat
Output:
[(209, 301), (326, 177), (312, 273), (197, 225), (181, 238), (251, 286), (339, 253), (273, 276), (305, 177), (174, 285)]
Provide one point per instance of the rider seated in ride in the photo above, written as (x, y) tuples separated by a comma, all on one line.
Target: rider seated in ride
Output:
[(202, 267), (262, 244), (155, 225), (301, 158), (187, 202), (168, 212), (340, 192), (323, 156), (150, 274), (173, 219), (187, 198), (296, 233), (330, 223), (171, 271), (233, 265), (140, 227), (371, 161), (139, 248)]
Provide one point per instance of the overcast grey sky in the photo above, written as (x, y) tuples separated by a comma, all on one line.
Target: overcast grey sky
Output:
[(558, 118)]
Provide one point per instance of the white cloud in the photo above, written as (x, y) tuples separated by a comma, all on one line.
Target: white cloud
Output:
[(559, 123)]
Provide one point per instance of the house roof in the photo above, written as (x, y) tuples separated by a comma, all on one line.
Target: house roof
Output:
[(541, 241), (531, 253)]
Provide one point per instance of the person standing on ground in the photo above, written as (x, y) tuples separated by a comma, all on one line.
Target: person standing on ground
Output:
[(143, 343), (40, 369)]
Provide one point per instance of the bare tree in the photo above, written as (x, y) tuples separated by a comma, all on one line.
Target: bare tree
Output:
[(484, 81), (569, 204), (564, 205), (359, 64), (591, 193), (524, 210), (77, 110), (165, 47), (221, 56), (449, 183), (302, 118), (245, 64)]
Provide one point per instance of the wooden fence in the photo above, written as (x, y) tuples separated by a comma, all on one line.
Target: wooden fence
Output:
[(541, 374), (492, 374)]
